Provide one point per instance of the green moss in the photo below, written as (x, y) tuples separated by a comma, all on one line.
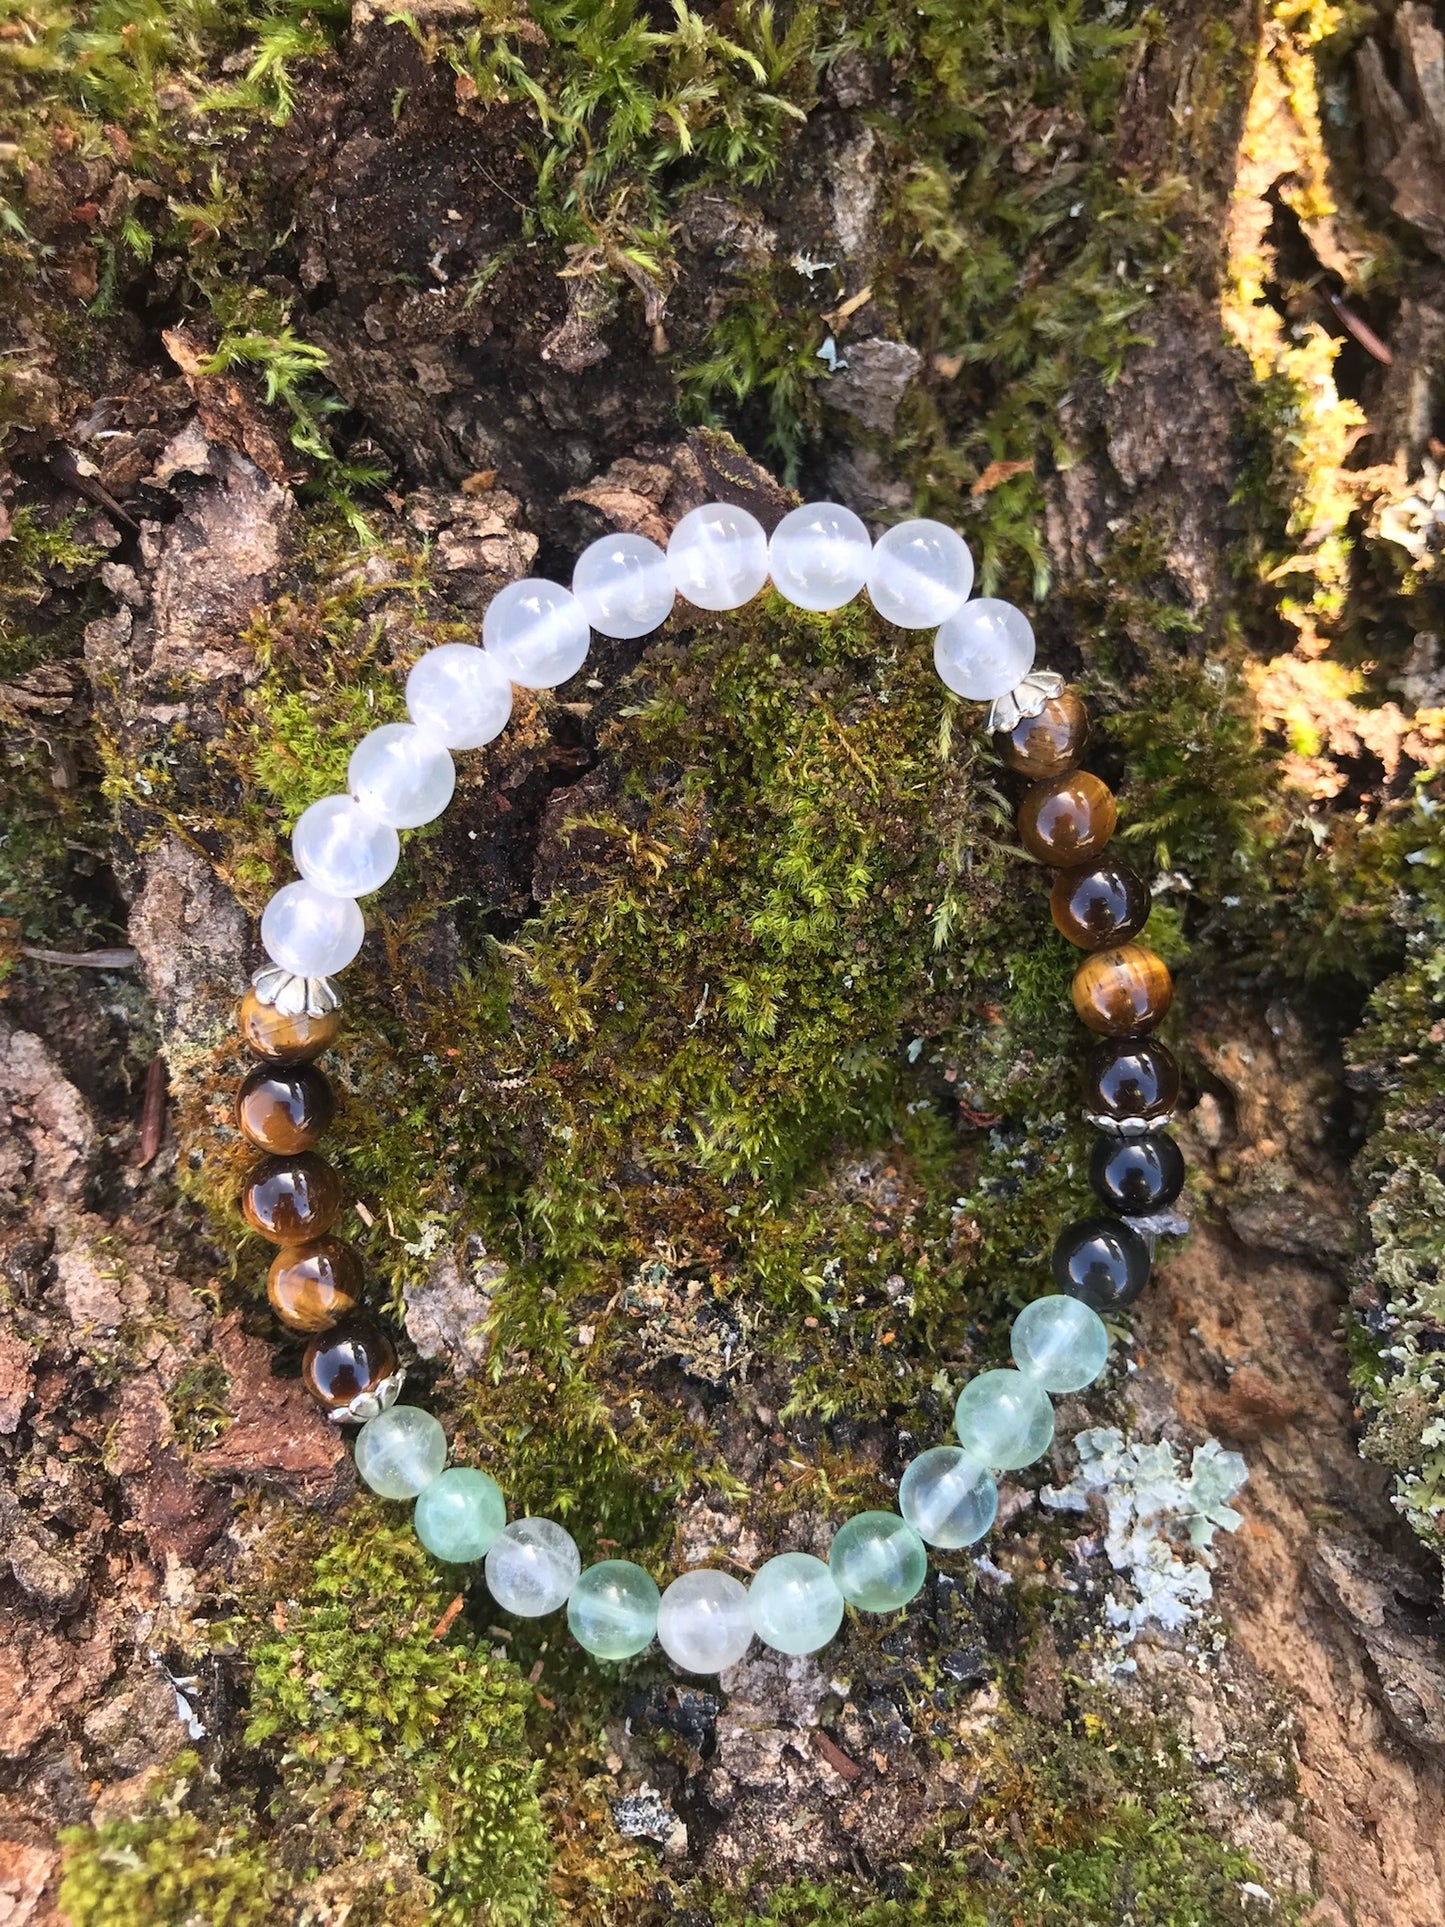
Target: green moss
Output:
[(1086, 1822), (352, 1685), (1398, 1055), (169, 1865)]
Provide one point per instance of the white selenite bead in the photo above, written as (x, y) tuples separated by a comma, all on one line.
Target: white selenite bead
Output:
[(532, 1566), (624, 585), (310, 933), (342, 848), (985, 649), (400, 1452), (1061, 1342), (818, 556), (458, 694), (920, 574), (402, 775), (948, 1497), (718, 556), (537, 632), (703, 1623)]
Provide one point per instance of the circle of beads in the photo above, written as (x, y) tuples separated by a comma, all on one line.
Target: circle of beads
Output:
[(536, 634)]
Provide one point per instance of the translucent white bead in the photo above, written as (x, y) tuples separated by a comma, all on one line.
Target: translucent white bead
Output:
[(920, 574), (794, 1605), (948, 1497), (400, 1452), (1061, 1343), (459, 695), (402, 775), (342, 849), (1004, 1419), (718, 556), (532, 1566), (818, 556), (537, 632), (703, 1623), (310, 933), (985, 649), (624, 586)]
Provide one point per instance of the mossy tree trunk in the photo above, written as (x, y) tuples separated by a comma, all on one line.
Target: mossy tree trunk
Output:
[(710, 1087)]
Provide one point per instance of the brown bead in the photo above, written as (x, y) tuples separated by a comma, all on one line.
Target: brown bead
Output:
[(1132, 1080), (311, 1286), (291, 1200), (1069, 820), (285, 1107), (350, 1361), (1050, 743), (284, 1040), (1122, 990), (1102, 903)]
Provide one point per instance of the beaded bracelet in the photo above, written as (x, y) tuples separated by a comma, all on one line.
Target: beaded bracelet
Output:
[(536, 634)]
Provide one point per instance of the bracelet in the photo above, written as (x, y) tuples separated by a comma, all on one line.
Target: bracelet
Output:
[(536, 634)]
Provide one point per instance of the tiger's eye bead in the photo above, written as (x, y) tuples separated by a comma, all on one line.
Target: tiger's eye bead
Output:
[(1101, 903), (1069, 820), (313, 1286), (351, 1361), (1132, 1080), (1137, 1175), (1121, 990), (1049, 744), (286, 1107), (291, 1200), (284, 1040)]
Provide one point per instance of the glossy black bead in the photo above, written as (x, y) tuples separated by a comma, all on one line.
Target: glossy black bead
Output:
[(1132, 1077), (1103, 1261), (1137, 1175)]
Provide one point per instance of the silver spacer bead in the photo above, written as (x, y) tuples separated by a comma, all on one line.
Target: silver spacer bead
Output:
[(1159, 1224), (369, 1405), (1024, 699), (1129, 1126), (291, 995)]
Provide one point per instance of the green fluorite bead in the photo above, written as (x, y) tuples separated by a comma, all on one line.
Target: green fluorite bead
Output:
[(877, 1561), (459, 1515), (1060, 1342), (794, 1603), (1004, 1419), (612, 1609)]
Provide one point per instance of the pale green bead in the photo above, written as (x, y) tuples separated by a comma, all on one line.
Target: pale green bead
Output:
[(459, 1515), (794, 1603), (612, 1609), (400, 1452), (948, 1497), (877, 1562), (1060, 1342), (1004, 1419)]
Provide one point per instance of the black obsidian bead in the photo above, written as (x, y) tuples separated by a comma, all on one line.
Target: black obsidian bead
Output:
[(1103, 1261), (1137, 1175), (1132, 1078)]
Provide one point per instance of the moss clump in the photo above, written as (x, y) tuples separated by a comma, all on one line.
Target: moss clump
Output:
[(169, 1864), (1398, 1055), (354, 1686), (1081, 1825)]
